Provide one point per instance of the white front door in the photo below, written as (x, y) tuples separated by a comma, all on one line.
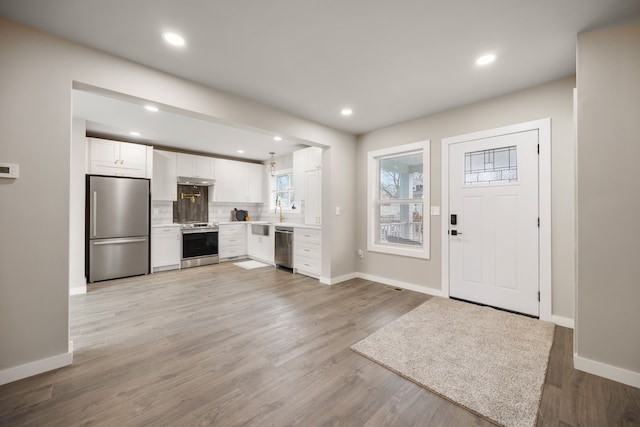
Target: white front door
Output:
[(493, 201)]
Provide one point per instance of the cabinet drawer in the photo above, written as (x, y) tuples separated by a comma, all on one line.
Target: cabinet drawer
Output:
[(308, 264), (307, 249), (308, 235), (232, 230), (232, 251), (165, 230), (231, 240)]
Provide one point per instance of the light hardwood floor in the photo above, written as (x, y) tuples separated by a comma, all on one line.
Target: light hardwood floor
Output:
[(219, 345)]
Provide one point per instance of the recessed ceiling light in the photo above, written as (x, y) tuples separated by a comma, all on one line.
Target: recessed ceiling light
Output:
[(346, 112), (151, 108), (173, 39), (134, 133), (241, 151), (277, 138), (485, 59)]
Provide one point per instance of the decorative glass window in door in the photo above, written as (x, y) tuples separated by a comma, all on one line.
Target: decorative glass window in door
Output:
[(496, 165)]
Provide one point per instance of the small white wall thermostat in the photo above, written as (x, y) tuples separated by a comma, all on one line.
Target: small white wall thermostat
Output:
[(9, 170)]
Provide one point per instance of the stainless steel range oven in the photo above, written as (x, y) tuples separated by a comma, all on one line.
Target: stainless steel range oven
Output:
[(199, 245)]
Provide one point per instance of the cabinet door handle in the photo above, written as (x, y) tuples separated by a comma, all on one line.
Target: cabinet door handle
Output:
[(122, 162), (116, 162)]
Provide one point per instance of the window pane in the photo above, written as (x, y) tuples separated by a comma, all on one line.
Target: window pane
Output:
[(282, 182), (401, 223), (283, 197), (491, 166), (401, 177)]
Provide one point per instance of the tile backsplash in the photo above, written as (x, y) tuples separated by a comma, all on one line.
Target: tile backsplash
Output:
[(162, 212)]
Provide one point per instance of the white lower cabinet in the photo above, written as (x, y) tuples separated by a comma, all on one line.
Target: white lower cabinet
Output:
[(232, 241), (260, 247), (307, 251), (165, 248)]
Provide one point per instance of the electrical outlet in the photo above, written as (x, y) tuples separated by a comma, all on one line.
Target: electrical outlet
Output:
[(360, 253)]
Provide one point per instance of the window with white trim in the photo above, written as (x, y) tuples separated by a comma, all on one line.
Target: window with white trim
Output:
[(398, 200), (282, 191)]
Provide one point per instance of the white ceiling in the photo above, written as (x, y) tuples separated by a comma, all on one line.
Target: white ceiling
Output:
[(115, 118), (390, 61)]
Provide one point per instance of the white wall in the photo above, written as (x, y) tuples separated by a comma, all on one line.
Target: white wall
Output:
[(554, 100), (38, 73), (607, 333), (78, 168)]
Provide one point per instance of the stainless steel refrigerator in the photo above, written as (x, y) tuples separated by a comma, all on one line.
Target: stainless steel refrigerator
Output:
[(117, 227)]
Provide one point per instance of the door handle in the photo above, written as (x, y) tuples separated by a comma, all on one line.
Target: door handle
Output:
[(95, 213), (116, 241), (455, 233)]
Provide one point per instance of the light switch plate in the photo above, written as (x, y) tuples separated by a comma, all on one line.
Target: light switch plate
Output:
[(435, 210), (337, 210)]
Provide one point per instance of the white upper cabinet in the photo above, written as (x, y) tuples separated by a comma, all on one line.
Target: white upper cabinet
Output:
[(304, 161), (255, 177), (224, 189), (238, 182), (164, 183), (313, 158), (118, 158), (192, 166)]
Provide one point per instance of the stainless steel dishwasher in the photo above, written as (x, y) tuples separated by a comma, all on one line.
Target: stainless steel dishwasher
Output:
[(284, 247)]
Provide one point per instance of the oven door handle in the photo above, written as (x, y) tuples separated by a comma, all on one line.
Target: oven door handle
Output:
[(198, 231)]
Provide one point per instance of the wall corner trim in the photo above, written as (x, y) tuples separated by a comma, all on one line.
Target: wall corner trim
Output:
[(338, 279), (562, 321), (403, 285), (611, 372), (37, 367), (78, 290)]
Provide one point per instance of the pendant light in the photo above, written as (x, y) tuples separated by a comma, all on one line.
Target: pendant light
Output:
[(271, 167)]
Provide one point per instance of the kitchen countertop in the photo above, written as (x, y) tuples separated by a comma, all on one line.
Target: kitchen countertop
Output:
[(284, 224)]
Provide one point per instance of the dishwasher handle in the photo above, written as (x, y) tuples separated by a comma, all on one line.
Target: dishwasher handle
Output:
[(284, 230)]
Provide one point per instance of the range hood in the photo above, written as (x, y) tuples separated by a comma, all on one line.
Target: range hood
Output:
[(189, 180)]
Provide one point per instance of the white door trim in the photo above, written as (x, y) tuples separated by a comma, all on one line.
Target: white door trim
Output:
[(543, 126)]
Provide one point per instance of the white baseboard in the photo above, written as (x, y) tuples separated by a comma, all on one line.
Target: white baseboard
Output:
[(38, 367), (78, 290), (339, 279), (562, 321), (607, 371), (403, 285)]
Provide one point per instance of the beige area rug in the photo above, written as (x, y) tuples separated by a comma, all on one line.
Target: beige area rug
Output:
[(250, 265), (489, 361)]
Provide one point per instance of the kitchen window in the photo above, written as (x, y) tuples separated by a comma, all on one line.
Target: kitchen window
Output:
[(398, 200), (283, 191)]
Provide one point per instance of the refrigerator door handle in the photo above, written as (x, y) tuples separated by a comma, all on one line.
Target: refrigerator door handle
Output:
[(116, 241), (95, 213)]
